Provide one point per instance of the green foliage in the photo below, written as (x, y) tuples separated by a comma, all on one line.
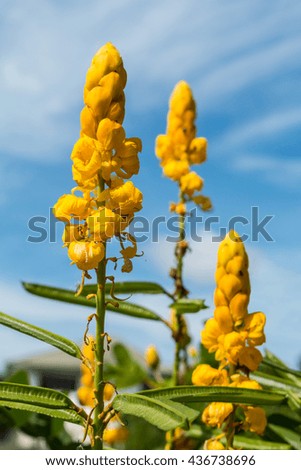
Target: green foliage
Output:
[(64, 295), (164, 414), (40, 400), (188, 306), (55, 340)]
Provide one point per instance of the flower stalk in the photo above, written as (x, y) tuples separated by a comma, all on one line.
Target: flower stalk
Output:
[(178, 150), (103, 158)]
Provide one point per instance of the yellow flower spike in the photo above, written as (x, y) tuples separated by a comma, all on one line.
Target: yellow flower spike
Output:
[(152, 357), (216, 413), (86, 255), (103, 91), (190, 183), (255, 419), (205, 375), (70, 206), (232, 277), (179, 148)]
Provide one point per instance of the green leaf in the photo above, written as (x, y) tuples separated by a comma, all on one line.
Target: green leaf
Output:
[(190, 413), (40, 400), (274, 382), (193, 393), (289, 436), (188, 305), (130, 287), (250, 443), (55, 340), (134, 310), (281, 369), (64, 295), (161, 413), (67, 415), (36, 395)]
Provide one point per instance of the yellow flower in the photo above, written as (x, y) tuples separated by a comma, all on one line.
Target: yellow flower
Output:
[(254, 324), (233, 344), (86, 255), (205, 375), (74, 232), (152, 357), (242, 381), (176, 169), (129, 161), (104, 223), (124, 198), (70, 206), (115, 435), (224, 319), (190, 183), (250, 357), (211, 334), (179, 208), (197, 150), (216, 413), (86, 159), (255, 419), (213, 444)]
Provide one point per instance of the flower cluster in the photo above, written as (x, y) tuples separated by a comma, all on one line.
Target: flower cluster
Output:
[(179, 148), (233, 335), (102, 156)]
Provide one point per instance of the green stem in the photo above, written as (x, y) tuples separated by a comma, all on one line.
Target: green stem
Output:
[(180, 292), (99, 383)]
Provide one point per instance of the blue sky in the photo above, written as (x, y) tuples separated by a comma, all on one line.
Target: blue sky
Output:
[(242, 62)]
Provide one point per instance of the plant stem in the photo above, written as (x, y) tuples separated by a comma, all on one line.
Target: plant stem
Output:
[(99, 383), (180, 292)]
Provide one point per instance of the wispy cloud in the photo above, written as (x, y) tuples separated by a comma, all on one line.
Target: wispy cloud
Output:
[(218, 48), (264, 127), (285, 172)]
